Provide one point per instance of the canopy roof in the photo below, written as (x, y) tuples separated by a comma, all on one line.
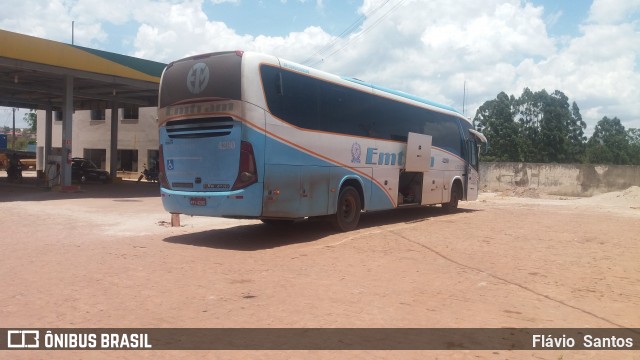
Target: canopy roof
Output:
[(32, 73)]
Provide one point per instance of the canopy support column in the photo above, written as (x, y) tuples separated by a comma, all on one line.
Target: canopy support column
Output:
[(67, 132), (113, 143)]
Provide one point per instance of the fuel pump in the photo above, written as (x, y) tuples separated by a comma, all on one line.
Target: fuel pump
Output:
[(52, 172)]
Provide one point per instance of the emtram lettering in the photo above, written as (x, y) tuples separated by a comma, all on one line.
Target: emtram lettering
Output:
[(383, 158)]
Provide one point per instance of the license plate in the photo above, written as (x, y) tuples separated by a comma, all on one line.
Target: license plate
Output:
[(198, 201)]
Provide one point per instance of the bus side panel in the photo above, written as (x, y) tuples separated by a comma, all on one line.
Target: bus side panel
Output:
[(281, 186), (473, 179), (388, 177), (432, 187), (293, 191), (309, 186), (296, 183), (314, 190)]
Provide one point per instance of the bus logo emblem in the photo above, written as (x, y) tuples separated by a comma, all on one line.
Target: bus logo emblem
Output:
[(198, 78), (356, 151)]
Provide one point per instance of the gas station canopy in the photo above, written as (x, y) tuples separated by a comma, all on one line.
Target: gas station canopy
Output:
[(33, 71), (48, 75)]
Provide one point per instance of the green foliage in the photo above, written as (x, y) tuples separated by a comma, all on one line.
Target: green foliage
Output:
[(542, 127), (536, 127), (495, 120), (31, 119), (610, 143), (634, 146)]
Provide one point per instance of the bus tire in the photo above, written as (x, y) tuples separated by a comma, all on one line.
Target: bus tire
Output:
[(348, 210), (456, 194)]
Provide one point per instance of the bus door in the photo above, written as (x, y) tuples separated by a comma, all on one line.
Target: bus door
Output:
[(471, 178), (419, 162), (418, 153)]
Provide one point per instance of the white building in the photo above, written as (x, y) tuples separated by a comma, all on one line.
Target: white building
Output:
[(137, 137)]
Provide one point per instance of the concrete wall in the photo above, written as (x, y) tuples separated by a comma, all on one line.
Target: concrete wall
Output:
[(558, 179)]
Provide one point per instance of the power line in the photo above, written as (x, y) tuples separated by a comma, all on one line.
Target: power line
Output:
[(365, 30), (348, 31)]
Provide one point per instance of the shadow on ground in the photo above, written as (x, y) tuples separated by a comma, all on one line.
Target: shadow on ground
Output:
[(31, 190), (261, 236)]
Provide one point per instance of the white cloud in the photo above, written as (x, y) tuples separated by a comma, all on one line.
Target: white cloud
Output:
[(431, 47), (613, 11), (186, 30)]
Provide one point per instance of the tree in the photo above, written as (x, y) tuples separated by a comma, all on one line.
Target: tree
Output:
[(577, 140), (495, 119), (529, 114), (31, 119), (536, 127), (609, 143), (555, 128), (634, 146)]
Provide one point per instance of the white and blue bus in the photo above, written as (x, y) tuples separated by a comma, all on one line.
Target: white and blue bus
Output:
[(247, 135)]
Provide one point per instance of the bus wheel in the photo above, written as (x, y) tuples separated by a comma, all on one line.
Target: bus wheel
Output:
[(452, 205), (348, 211)]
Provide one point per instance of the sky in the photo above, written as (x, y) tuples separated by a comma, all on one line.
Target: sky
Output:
[(435, 49)]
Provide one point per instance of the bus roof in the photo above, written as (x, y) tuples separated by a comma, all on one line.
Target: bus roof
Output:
[(403, 94)]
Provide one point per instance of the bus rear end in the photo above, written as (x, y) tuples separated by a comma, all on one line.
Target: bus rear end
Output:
[(210, 140)]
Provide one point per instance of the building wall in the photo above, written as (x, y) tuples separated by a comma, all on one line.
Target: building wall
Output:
[(558, 179), (133, 134)]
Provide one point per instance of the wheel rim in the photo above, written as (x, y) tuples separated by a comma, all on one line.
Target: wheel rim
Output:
[(348, 209)]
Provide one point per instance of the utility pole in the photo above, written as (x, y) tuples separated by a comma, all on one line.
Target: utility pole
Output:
[(464, 95), (13, 141)]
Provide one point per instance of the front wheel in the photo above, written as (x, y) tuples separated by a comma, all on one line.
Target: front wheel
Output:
[(348, 210)]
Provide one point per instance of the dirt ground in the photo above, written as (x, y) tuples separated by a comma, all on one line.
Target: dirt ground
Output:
[(107, 257)]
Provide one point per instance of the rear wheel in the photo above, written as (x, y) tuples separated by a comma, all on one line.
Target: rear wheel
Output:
[(348, 210), (456, 194)]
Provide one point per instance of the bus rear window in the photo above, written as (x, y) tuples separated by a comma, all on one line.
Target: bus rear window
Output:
[(214, 76)]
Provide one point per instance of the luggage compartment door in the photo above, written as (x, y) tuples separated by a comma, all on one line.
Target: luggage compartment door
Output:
[(418, 153)]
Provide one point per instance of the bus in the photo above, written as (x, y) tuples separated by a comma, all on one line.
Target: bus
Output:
[(249, 135)]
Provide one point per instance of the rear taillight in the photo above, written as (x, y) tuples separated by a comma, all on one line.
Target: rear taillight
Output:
[(164, 182), (247, 172)]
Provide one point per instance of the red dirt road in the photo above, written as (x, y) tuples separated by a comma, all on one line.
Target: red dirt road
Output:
[(107, 257)]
